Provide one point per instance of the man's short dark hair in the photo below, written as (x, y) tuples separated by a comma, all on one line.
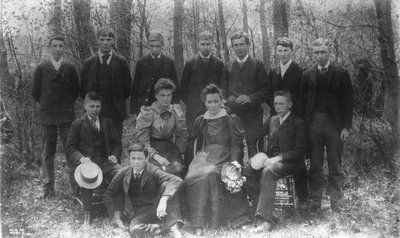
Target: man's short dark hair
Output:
[(241, 34), (139, 147), (285, 42), (283, 93), (92, 96), (105, 32), (56, 37)]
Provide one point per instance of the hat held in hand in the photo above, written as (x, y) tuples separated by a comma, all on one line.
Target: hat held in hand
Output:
[(88, 175), (258, 160)]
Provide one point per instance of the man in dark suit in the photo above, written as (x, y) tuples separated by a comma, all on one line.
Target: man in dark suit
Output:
[(107, 73), (287, 76), (149, 69), (326, 103), (145, 195), (93, 138), (286, 146), (246, 87), (55, 86)]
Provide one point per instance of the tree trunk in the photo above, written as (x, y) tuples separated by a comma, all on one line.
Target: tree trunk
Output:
[(280, 18), (245, 20), (121, 12), (85, 38), (387, 50), (55, 22), (266, 49), (222, 31), (178, 42), (4, 70), (142, 13)]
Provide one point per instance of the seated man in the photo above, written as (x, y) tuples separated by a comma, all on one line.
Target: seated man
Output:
[(93, 139), (286, 146), (145, 194)]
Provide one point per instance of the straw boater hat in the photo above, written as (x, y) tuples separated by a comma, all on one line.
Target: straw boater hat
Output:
[(88, 175), (258, 160)]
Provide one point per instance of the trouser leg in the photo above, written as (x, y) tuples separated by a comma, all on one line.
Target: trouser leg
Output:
[(119, 124), (301, 182), (64, 132), (49, 143)]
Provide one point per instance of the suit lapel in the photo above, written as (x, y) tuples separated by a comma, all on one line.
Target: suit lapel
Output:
[(331, 72), (145, 177), (275, 80), (289, 70), (274, 129), (246, 64), (127, 180)]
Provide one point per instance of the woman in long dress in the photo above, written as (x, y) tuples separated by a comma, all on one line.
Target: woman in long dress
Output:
[(162, 128), (222, 141)]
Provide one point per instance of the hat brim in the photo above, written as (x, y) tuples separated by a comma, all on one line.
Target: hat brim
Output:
[(83, 184)]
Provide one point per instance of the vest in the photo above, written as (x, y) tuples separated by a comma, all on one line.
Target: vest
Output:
[(104, 83), (99, 146), (321, 99)]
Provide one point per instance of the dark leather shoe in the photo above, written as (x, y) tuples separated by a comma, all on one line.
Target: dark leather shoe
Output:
[(175, 232)]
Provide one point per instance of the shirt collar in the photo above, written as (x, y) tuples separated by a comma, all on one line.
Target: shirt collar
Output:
[(243, 60), (109, 58), (97, 118), (286, 65), (205, 57), (135, 172), (56, 64), (282, 119), (325, 67), (221, 113), (158, 56)]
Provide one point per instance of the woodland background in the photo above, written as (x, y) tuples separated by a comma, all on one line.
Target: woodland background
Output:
[(366, 37)]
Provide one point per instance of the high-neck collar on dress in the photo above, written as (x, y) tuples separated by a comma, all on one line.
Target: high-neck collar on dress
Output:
[(221, 113)]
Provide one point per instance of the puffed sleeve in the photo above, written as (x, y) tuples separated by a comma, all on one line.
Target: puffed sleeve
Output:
[(180, 128), (143, 128), (198, 126), (236, 132)]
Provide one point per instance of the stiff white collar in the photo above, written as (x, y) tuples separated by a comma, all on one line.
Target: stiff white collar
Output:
[(205, 57), (154, 57), (282, 119), (221, 113), (56, 64), (325, 67), (109, 58), (243, 60), (97, 121), (284, 67)]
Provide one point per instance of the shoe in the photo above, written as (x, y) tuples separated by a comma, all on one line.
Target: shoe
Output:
[(264, 226), (175, 232), (198, 231)]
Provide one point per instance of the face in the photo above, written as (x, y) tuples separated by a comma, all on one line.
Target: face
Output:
[(321, 54), (155, 47), (240, 47), (57, 49), (284, 54), (282, 105), (164, 97), (205, 47), (213, 103), (137, 160), (92, 107), (105, 44)]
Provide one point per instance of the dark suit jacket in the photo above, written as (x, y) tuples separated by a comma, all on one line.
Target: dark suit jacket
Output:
[(339, 98), (291, 136), (121, 80), (148, 71), (290, 82), (56, 91), (250, 79), (80, 142), (154, 184), (196, 76)]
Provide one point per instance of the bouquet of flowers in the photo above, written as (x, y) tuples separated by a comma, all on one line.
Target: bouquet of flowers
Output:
[(231, 176)]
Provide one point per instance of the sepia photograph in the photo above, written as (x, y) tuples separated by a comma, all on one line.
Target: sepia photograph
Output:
[(200, 118)]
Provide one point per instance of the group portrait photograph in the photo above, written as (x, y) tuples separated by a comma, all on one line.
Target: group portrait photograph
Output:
[(200, 118)]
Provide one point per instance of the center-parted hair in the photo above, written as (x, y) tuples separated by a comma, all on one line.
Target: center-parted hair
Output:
[(211, 89), (105, 32), (92, 96), (283, 93), (240, 34), (139, 147), (285, 42), (164, 83), (56, 37), (205, 35)]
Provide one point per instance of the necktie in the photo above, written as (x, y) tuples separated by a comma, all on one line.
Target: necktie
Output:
[(93, 120), (137, 175), (105, 58), (323, 71)]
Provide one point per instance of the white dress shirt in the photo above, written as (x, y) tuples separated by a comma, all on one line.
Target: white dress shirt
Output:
[(283, 118), (56, 64), (109, 58), (284, 67), (97, 123)]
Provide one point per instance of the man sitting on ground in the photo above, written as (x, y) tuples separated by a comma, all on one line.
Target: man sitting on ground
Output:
[(144, 194)]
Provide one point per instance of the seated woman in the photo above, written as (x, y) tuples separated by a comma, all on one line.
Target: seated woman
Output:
[(209, 202), (161, 123)]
